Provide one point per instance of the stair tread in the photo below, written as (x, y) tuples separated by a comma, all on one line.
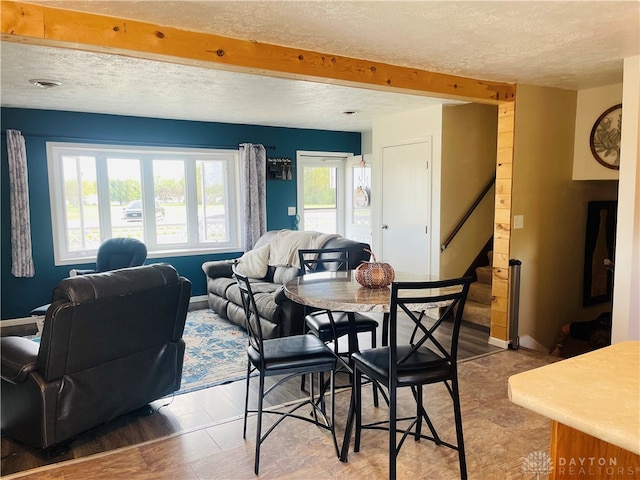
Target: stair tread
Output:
[(484, 273), (480, 292), (478, 313)]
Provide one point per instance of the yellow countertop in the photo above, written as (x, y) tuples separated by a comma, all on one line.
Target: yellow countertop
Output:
[(597, 393)]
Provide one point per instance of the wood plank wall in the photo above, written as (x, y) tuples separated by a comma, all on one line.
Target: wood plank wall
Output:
[(502, 222)]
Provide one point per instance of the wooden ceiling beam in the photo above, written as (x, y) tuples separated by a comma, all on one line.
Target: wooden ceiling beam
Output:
[(55, 27)]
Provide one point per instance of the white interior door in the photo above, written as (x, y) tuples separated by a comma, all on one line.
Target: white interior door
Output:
[(405, 212), (358, 199)]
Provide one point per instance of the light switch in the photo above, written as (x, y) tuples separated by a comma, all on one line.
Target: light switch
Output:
[(291, 211), (518, 221)]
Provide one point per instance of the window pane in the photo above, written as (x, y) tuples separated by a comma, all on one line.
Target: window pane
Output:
[(81, 203), (170, 202), (212, 201), (320, 199), (175, 200), (125, 197)]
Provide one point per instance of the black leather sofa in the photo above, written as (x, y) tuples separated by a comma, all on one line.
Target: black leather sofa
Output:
[(111, 343), (283, 316)]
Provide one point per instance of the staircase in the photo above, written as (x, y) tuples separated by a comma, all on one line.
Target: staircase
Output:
[(477, 309)]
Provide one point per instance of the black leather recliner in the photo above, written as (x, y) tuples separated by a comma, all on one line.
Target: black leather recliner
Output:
[(116, 253), (112, 343), (113, 253)]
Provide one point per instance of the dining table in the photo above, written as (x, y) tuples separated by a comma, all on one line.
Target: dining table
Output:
[(339, 291)]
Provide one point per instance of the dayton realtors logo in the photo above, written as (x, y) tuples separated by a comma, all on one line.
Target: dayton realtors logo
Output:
[(595, 467), (539, 463)]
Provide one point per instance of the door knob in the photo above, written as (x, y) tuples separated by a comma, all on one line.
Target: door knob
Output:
[(384, 227)]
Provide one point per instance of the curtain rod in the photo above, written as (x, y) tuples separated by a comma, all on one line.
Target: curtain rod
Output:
[(120, 142)]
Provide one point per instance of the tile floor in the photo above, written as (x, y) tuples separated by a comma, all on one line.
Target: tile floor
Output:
[(207, 443)]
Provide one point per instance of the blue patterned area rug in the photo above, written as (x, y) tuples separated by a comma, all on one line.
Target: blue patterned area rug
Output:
[(216, 351)]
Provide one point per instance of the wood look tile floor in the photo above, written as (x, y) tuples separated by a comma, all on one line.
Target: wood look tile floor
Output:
[(199, 435)]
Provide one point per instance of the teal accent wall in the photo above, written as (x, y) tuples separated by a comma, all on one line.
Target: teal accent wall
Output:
[(20, 295)]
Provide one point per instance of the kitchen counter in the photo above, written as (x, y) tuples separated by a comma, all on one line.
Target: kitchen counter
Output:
[(593, 401)]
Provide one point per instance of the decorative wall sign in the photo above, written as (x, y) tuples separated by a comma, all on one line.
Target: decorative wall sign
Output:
[(280, 168), (605, 137)]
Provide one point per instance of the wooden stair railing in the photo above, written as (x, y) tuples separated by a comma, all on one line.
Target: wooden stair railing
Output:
[(466, 216)]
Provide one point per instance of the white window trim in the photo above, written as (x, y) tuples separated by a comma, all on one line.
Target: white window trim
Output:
[(56, 188)]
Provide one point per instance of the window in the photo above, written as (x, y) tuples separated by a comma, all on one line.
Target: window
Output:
[(321, 191), (175, 200)]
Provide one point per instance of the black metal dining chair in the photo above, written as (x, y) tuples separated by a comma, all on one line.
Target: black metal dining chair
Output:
[(330, 326), (430, 356), (287, 357)]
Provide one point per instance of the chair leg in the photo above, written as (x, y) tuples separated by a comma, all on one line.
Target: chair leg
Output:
[(357, 395), (457, 412), (259, 425), (314, 414), (246, 401), (333, 411), (425, 416), (393, 451), (373, 384), (419, 409)]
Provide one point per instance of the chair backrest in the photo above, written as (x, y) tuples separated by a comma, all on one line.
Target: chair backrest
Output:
[(427, 305), (117, 337), (115, 253), (254, 327), (324, 259)]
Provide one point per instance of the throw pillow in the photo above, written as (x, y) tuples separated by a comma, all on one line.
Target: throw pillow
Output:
[(254, 263)]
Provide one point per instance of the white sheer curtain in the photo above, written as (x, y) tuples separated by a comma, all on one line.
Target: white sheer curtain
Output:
[(253, 165), (21, 253)]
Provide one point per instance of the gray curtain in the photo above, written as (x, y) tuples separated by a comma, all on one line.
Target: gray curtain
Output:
[(253, 167), (21, 259)]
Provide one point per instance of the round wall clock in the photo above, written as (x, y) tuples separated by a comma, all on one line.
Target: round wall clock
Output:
[(605, 137)]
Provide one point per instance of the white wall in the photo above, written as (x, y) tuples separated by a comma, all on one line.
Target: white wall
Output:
[(626, 296), (591, 103), (399, 128)]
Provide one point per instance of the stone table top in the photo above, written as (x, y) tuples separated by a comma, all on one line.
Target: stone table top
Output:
[(597, 393), (339, 291)]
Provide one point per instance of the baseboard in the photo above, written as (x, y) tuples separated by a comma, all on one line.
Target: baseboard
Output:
[(496, 342), (532, 344), (17, 322), (199, 302)]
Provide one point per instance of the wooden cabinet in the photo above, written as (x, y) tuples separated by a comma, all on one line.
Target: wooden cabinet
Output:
[(577, 455)]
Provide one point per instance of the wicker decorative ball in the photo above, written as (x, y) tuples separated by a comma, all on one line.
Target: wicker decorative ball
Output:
[(374, 274)]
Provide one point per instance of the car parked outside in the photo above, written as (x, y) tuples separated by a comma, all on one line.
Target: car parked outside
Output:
[(133, 211)]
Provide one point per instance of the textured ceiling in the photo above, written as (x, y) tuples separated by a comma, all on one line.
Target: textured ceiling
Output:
[(572, 45)]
